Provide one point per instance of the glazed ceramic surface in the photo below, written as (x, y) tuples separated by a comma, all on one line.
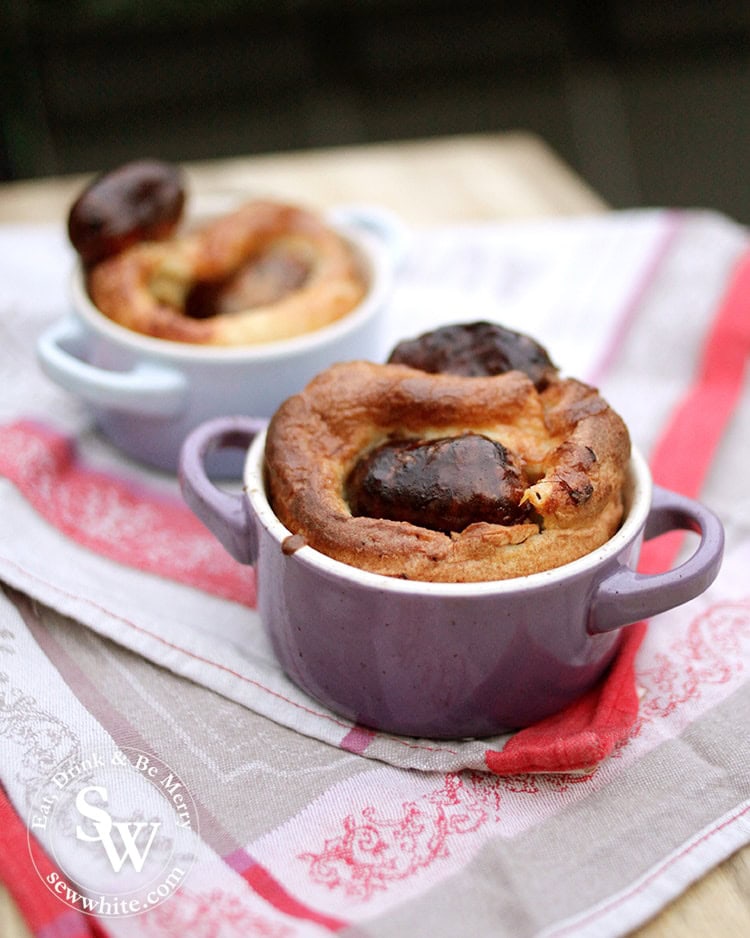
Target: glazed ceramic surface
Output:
[(147, 394), (441, 659)]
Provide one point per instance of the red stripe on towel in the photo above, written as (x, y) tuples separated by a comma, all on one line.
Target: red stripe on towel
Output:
[(586, 732), (357, 739), (682, 456), (116, 518), (43, 912), (583, 734)]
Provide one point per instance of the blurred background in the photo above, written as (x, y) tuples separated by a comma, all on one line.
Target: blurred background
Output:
[(646, 99)]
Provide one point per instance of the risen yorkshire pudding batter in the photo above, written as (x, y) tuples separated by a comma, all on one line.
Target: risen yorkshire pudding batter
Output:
[(445, 477), (265, 272)]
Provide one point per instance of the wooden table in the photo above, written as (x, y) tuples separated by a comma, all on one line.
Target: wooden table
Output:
[(426, 182), (458, 179)]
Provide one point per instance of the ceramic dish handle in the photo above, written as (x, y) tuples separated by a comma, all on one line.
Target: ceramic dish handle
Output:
[(225, 514), (148, 389), (626, 596), (381, 223)]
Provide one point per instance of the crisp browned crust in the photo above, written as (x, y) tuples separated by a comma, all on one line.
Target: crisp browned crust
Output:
[(144, 288), (572, 444)]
